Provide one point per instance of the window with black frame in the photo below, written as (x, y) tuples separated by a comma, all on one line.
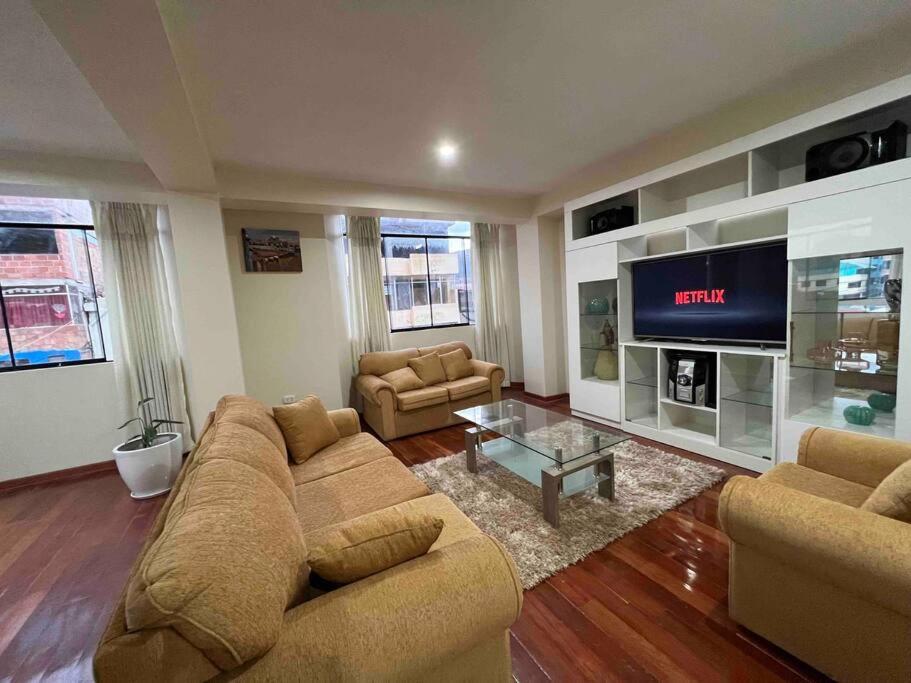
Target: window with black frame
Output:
[(427, 273), (52, 305)]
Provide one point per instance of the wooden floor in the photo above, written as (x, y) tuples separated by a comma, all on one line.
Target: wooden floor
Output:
[(650, 606)]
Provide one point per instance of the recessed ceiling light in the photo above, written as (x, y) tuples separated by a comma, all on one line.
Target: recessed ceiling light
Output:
[(447, 152)]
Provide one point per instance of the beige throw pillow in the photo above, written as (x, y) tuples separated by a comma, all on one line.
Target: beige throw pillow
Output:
[(456, 365), (892, 498), (306, 426), (403, 379), (371, 543), (428, 368)]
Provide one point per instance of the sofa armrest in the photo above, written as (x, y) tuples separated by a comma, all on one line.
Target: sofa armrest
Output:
[(495, 373), (859, 458), (374, 389), (860, 552), (346, 421), (399, 623)]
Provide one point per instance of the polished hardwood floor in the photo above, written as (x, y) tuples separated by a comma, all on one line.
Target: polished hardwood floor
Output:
[(650, 606)]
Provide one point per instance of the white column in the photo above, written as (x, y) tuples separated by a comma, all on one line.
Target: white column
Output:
[(541, 298), (208, 322)]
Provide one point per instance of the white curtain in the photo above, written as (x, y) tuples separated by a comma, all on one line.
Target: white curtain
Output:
[(135, 269), (369, 316), (489, 297)]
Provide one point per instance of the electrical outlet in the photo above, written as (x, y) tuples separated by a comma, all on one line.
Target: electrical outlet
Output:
[(289, 399)]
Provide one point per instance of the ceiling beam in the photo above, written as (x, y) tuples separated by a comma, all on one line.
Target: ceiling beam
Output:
[(123, 51)]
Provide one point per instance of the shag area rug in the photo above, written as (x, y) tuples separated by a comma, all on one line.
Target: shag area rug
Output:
[(648, 483)]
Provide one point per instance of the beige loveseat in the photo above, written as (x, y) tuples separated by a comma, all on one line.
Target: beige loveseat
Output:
[(813, 572), (222, 590), (393, 415)]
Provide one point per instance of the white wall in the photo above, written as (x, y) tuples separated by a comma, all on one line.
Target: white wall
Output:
[(56, 418), (212, 360), (288, 322)]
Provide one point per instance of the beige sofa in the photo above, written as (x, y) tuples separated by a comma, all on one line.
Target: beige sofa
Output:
[(813, 573), (393, 415), (241, 518)]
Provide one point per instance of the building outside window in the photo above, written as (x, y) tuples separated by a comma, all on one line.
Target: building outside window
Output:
[(427, 273), (52, 304)]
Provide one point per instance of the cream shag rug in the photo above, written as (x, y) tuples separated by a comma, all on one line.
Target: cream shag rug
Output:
[(649, 482)]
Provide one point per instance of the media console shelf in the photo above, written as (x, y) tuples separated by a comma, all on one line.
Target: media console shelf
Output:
[(843, 345)]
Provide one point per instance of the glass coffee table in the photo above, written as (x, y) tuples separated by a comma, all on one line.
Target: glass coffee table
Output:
[(558, 453)]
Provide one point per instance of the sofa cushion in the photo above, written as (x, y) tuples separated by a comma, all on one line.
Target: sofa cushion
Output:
[(892, 498), (251, 413), (227, 564), (374, 486), (235, 442), (421, 398), (347, 452), (371, 543), (467, 386), (428, 368), (456, 365), (403, 379), (817, 484), (307, 427), (456, 525), (445, 348), (380, 362)]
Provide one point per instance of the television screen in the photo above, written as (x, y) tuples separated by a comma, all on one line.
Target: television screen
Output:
[(729, 295)]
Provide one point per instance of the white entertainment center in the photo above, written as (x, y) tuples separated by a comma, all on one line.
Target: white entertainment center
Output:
[(841, 347)]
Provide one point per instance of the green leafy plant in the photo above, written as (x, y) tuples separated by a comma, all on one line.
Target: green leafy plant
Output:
[(149, 428)]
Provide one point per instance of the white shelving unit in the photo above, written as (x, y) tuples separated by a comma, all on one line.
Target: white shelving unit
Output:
[(749, 191)]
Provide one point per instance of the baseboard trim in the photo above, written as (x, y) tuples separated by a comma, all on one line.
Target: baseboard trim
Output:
[(547, 399), (57, 475)]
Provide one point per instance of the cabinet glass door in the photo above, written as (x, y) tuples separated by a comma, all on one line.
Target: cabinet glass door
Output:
[(598, 331)]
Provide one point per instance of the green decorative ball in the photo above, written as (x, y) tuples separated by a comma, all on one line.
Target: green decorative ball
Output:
[(883, 402), (599, 305), (859, 415)]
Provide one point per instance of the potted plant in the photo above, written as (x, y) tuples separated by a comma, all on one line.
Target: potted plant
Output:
[(150, 461)]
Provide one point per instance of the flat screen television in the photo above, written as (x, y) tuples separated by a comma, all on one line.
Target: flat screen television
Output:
[(737, 294)]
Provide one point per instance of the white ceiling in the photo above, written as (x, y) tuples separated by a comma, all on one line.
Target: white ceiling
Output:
[(532, 90), (46, 106)]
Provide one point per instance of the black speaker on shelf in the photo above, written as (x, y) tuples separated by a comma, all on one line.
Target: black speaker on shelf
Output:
[(856, 151), (612, 219), (690, 378)]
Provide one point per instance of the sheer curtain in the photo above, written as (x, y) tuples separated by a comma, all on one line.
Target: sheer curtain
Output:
[(489, 298), (368, 313), (147, 342)]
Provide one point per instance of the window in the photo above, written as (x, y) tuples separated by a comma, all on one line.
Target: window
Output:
[(52, 305), (427, 273), (862, 279)]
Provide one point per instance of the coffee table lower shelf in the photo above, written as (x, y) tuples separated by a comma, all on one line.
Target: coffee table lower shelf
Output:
[(580, 474)]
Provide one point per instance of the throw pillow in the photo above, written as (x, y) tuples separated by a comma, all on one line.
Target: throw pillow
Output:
[(371, 543), (456, 365), (428, 368), (892, 498), (403, 379), (306, 426)]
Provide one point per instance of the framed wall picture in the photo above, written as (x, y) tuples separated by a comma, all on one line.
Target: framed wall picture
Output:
[(272, 251)]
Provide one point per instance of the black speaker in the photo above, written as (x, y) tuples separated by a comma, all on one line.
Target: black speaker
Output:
[(856, 151), (611, 219), (691, 377)]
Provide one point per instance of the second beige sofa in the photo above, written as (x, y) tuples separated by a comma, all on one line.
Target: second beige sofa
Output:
[(393, 415)]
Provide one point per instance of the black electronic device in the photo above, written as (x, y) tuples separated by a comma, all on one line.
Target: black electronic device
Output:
[(856, 151), (690, 379), (738, 294), (612, 219)]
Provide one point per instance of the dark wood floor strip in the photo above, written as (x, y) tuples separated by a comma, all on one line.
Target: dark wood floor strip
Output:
[(650, 606)]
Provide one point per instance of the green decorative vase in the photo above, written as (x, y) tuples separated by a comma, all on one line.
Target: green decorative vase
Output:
[(885, 403), (859, 415), (599, 306)]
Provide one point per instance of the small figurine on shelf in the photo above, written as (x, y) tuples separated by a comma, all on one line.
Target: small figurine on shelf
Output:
[(608, 337), (606, 364)]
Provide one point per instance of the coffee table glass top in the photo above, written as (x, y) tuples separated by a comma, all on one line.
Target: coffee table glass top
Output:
[(560, 438)]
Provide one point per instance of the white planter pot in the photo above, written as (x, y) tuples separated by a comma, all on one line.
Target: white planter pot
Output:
[(151, 471)]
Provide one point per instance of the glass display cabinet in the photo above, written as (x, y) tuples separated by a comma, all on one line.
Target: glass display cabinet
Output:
[(747, 391), (845, 321), (598, 331)]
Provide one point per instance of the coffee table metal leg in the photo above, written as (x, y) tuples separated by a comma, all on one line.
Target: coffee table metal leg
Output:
[(472, 440), (606, 485), (550, 489)]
